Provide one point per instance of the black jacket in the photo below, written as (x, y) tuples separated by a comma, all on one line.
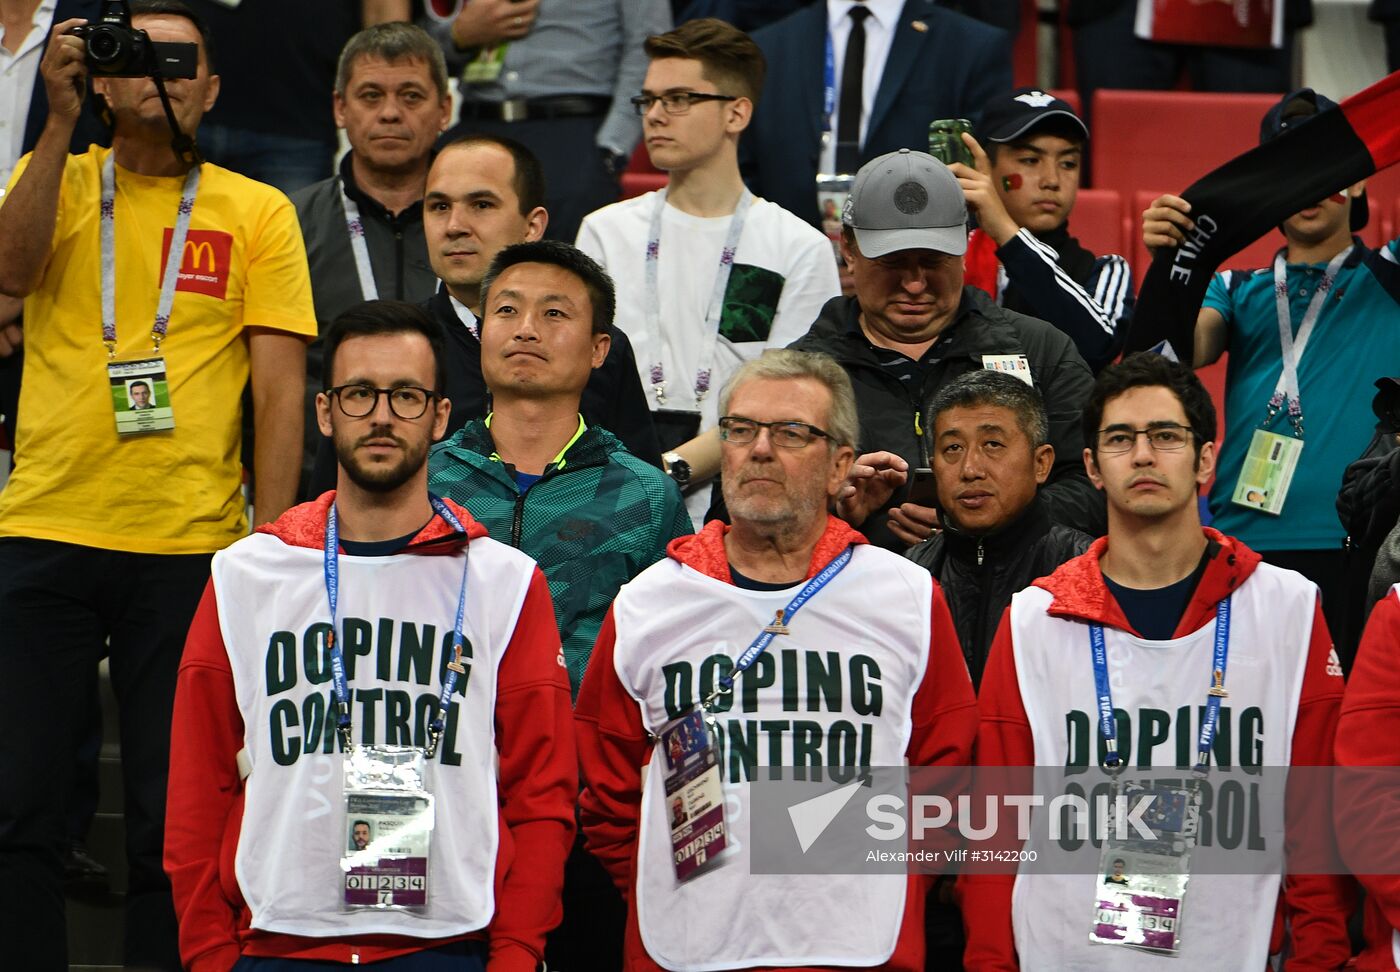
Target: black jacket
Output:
[(613, 399), (979, 574), (894, 419)]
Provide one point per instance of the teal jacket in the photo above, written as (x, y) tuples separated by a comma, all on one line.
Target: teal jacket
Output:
[(595, 520)]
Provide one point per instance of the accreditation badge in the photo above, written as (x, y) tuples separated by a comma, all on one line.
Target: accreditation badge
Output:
[(388, 827), (694, 795), (1144, 868), (140, 396), (1268, 471), (832, 193), (486, 67)]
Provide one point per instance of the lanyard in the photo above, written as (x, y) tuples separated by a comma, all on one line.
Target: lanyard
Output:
[(356, 228), (339, 686), (1108, 725), (828, 88), (173, 257), (1286, 390), (716, 308), (766, 636)]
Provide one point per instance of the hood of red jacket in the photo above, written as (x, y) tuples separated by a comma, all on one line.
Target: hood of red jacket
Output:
[(1081, 595), (305, 526), (704, 551)]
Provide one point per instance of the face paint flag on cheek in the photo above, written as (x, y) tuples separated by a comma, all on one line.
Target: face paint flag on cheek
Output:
[(1011, 182), (1252, 194)]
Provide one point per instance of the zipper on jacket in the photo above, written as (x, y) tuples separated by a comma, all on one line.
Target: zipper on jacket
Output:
[(398, 259), (980, 553), (517, 520)]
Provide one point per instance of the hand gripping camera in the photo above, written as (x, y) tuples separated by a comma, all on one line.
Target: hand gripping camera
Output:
[(116, 50)]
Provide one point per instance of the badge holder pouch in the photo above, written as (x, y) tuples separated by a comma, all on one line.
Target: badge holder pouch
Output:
[(1142, 882), (388, 829), (832, 193), (694, 795)]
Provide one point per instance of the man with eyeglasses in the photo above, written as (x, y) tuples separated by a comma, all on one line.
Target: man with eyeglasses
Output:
[(564, 491), (675, 639), (372, 759), (708, 275), (1183, 620)]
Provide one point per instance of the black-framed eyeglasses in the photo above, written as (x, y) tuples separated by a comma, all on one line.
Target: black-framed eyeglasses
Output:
[(785, 435), (408, 402), (1166, 437), (676, 102)]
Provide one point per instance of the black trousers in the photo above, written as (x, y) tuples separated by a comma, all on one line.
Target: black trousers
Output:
[(575, 182), (58, 603), (1107, 54), (589, 939), (1326, 569)]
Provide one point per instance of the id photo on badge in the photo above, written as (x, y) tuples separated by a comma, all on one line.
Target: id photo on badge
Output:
[(361, 832)]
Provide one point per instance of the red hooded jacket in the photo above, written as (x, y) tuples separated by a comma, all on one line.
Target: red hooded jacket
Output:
[(537, 782)]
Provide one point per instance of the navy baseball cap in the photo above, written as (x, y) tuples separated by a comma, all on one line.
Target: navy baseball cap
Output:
[(1018, 113), (1295, 109)]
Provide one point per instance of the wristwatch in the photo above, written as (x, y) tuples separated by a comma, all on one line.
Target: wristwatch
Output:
[(677, 468), (614, 163)]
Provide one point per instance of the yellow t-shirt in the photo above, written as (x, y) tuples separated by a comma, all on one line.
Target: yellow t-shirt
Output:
[(173, 492)]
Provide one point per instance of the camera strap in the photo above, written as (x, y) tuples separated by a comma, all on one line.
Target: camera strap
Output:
[(170, 274)]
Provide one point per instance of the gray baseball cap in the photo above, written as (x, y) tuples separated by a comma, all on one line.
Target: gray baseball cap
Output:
[(906, 201)]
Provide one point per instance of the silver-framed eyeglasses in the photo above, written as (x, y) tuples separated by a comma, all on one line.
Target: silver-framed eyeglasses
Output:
[(676, 102), (408, 402), (1162, 437), (784, 435)]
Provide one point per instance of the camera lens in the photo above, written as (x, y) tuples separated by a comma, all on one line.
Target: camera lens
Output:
[(104, 46)]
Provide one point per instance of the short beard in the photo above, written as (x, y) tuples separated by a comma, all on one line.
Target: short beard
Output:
[(380, 479)]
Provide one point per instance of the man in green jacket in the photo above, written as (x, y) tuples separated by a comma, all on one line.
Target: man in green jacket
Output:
[(571, 496)]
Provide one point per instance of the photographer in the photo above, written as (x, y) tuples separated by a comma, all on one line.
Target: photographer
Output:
[(134, 264)]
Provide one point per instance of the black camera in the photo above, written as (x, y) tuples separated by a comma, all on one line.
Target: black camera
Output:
[(116, 50)]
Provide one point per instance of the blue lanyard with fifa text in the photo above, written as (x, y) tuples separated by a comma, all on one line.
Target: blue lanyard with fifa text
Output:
[(339, 685), (828, 87), (750, 655), (1108, 724)]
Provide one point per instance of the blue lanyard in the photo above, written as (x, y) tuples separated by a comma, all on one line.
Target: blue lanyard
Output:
[(766, 636), (339, 686), (1108, 725), (828, 86)]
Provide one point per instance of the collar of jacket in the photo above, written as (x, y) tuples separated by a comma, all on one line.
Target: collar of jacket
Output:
[(473, 443), (977, 329), (704, 551), (369, 206), (305, 526), (1030, 525), (1081, 595)]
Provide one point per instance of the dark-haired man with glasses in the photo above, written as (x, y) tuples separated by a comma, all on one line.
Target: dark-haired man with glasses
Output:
[(708, 275), (1181, 619), (374, 639), (566, 492), (680, 629)]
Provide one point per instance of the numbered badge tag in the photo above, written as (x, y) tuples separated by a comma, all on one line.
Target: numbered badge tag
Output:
[(694, 795), (1145, 865), (140, 396), (1268, 471), (1015, 365), (388, 829)]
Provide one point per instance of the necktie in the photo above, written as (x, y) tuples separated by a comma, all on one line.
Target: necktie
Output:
[(850, 105)]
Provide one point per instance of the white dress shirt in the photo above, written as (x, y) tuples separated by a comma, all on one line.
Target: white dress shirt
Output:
[(879, 35), (19, 72)]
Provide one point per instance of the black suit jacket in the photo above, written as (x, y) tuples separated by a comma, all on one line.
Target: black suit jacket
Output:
[(613, 400), (948, 69), (89, 128)]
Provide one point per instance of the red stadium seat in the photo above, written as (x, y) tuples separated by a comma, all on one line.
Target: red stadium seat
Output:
[(1097, 221), (1169, 138), (1025, 45), (641, 160), (637, 183)]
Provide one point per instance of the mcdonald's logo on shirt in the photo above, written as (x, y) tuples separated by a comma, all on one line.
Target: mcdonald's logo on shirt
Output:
[(204, 267)]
